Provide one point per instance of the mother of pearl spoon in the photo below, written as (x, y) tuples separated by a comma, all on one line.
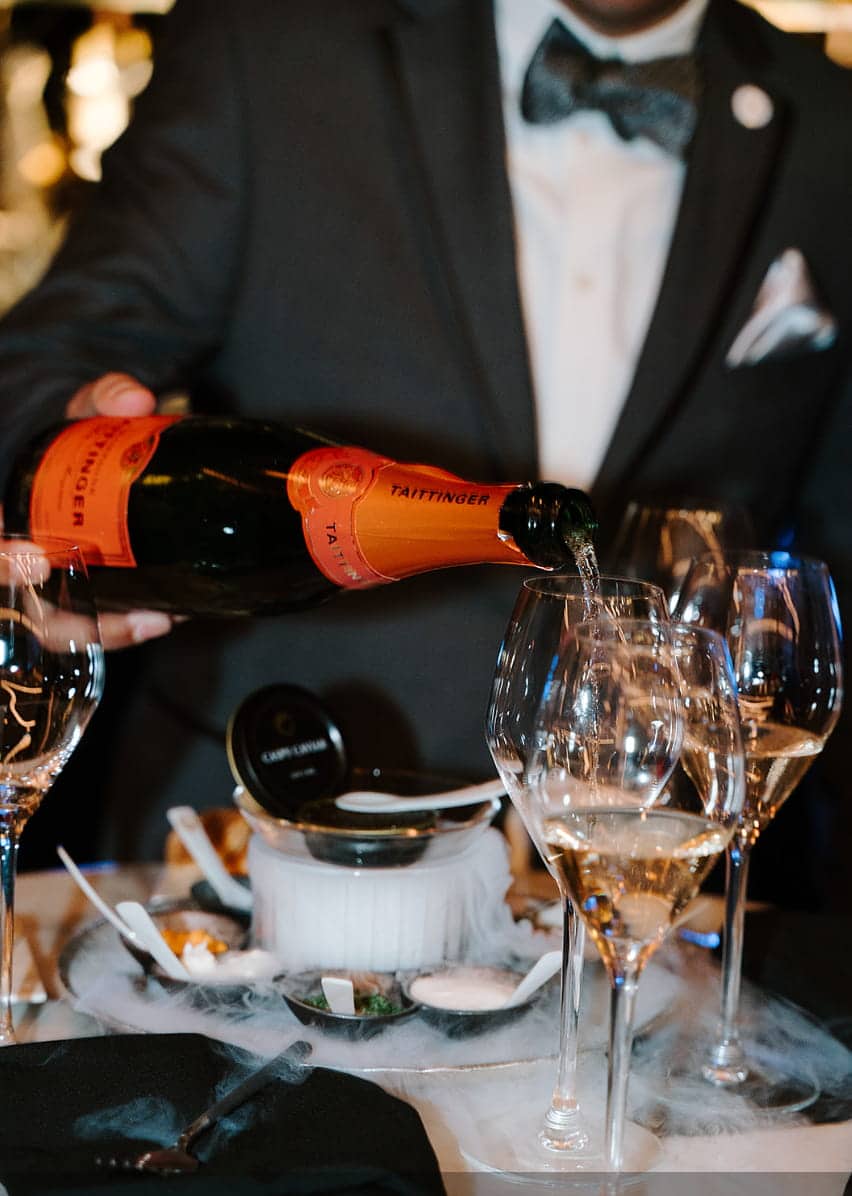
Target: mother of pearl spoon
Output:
[(392, 803)]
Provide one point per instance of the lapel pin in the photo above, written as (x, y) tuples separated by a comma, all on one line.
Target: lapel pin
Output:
[(751, 106)]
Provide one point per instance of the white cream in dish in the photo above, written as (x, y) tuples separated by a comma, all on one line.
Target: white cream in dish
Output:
[(468, 989), (240, 966)]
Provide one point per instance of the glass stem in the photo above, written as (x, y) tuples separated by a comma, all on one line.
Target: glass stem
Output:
[(561, 1130), (10, 829), (727, 1060), (622, 1005)]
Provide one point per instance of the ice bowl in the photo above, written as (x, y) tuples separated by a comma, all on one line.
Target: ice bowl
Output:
[(333, 836)]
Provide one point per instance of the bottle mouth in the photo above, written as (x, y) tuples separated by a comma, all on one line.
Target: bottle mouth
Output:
[(577, 516), (548, 522)]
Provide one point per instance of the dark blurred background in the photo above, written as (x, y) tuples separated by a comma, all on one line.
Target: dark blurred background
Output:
[(69, 75)]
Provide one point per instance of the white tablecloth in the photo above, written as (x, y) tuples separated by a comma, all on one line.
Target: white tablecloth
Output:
[(781, 1159)]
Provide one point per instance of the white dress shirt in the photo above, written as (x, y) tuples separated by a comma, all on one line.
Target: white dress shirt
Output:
[(594, 217)]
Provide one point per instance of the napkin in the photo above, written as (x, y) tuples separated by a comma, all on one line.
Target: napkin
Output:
[(64, 1104)]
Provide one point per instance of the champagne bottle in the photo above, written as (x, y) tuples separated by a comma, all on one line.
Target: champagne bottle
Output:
[(225, 516)]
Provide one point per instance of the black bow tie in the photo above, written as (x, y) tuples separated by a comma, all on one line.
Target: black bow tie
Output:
[(651, 99)]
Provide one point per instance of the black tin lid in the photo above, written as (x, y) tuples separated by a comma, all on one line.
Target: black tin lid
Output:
[(285, 749)]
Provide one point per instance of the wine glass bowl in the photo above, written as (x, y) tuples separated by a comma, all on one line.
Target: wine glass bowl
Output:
[(618, 743), (545, 612), (779, 616), (51, 680)]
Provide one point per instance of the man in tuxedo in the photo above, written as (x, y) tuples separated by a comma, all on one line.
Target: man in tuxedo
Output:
[(404, 223)]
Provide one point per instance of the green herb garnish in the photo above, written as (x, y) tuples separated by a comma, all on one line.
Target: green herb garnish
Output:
[(376, 1003), (316, 1002), (372, 1004)]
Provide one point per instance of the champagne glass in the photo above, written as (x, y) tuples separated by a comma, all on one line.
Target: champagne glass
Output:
[(659, 542), (779, 615), (637, 786), (546, 610), (51, 679)]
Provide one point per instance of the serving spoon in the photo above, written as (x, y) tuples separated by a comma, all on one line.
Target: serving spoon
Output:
[(340, 994), (541, 971), (190, 830), (148, 936), (177, 1159), (364, 802), (94, 896), (131, 920)]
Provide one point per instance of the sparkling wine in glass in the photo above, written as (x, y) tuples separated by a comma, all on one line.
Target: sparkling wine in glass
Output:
[(637, 789), (779, 615), (51, 679), (545, 613)]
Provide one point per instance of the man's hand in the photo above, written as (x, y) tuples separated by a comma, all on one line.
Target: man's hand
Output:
[(111, 394), (120, 395)]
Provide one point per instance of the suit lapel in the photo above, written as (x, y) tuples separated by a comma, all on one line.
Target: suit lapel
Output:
[(448, 65), (727, 176)]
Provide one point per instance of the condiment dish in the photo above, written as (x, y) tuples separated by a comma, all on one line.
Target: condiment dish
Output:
[(181, 923), (461, 999), (380, 1001)]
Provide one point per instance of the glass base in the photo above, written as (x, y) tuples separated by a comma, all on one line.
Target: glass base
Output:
[(765, 1090), (562, 1131), (702, 1090), (512, 1145)]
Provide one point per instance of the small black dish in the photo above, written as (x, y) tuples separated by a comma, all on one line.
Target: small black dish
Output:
[(183, 919), (204, 895), (198, 991), (224, 996), (298, 988), (352, 840), (460, 1023)]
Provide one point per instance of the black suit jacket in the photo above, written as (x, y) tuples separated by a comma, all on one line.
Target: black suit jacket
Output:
[(309, 219)]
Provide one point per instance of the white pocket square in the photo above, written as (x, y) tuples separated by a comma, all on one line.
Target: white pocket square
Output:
[(787, 315)]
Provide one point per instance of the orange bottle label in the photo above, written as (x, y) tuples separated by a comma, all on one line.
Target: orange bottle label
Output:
[(81, 486), (368, 519), (324, 485)]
